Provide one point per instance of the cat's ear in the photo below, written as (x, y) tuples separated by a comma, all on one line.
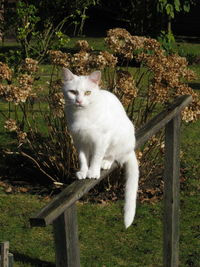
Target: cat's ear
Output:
[(95, 76), (67, 75)]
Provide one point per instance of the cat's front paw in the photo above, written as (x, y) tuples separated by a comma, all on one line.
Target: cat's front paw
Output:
[(81, 175), (95, 174)]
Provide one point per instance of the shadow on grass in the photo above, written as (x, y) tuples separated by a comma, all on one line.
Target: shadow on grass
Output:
[(18, 257)]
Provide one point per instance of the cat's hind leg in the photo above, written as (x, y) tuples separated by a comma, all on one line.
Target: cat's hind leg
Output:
[(107, 163)]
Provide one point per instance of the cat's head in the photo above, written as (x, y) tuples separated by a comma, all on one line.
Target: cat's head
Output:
[(80, 91)]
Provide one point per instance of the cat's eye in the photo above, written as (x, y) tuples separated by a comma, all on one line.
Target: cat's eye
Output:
[(88, 93), (74, 92)]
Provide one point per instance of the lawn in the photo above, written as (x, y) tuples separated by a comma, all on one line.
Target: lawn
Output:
[(103, 239)]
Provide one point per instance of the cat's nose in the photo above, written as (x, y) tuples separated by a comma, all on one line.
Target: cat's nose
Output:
[(78, 101)]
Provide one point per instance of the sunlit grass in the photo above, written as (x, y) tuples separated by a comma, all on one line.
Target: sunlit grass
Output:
[(103, 238)]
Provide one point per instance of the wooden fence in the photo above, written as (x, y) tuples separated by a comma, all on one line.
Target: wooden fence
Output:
[(6, 258), (61, 211)]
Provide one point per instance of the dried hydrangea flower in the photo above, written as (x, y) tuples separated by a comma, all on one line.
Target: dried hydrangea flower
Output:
[(192, 112), (57, 104), (3, 90), (125, 87), (80, 63), (30, 65), (25, 80), (158, 93), (11, 125), (102, 60), (83, 45), (17, 94), (59, 58), (123, 43), (22, 137), (120, 41), (5, 72)]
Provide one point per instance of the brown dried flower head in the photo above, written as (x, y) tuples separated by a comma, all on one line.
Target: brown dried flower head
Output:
[(15, 94), (22, 137), (83, 62), (123, 43), (57, 104), (120, 41), (82, 45), (30, 65), (11, 125), (151, 44), (25, 80), (80, 63), (3, 90), (125, 87), (158, 92), (192, 112), (59, 58), (102, 60), (5, 72)]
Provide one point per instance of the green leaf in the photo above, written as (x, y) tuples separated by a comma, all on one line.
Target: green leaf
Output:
[(170, 10), (186, 7), (177, 5)]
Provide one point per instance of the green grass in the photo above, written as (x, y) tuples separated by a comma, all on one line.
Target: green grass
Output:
[(111, 245), (26, 243), (190, 147), (103, 239), (188, 48)]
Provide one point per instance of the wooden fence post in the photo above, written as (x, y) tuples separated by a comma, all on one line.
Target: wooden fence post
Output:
[(6, 258), (4, 254), (66, 238), (171, 193)]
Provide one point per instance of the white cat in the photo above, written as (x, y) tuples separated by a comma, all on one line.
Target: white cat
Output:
[(102, 133)]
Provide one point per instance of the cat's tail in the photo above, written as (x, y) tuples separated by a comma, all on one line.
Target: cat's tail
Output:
[(132, 176)]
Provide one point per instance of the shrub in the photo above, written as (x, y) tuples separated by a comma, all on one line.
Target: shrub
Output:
[(38, 119)]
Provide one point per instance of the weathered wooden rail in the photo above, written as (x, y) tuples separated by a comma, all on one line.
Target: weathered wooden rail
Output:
[(61, 211)]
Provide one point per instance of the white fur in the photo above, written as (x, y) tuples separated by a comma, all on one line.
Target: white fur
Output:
[(102, 133)]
